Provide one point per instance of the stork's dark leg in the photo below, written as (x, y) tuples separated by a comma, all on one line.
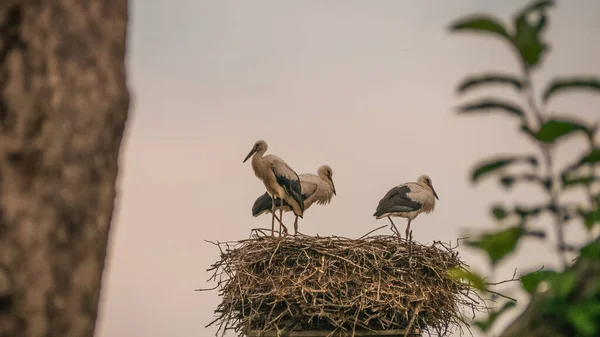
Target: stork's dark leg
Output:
[(296, 226), (408, 228), (273, 217), (394, 226)]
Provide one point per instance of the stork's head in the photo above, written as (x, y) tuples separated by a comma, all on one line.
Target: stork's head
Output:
[(425, 180), (260, 146), (326, 173)]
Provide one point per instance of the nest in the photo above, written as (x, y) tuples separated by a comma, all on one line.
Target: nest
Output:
[(331, 283)]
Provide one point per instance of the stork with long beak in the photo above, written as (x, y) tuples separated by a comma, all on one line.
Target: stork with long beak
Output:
[(408, 201), (280, 180), (317, 188)]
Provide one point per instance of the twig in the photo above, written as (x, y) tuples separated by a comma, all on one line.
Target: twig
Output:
[(512, 279), (371, 232)]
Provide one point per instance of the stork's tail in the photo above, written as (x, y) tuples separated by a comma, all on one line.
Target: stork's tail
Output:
[(262, 205)]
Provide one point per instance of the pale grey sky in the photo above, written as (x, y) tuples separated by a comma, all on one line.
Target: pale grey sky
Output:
[(365, 87)]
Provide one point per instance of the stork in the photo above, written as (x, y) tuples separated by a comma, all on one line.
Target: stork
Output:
[(317, 188), (280, 180), (407, 201)]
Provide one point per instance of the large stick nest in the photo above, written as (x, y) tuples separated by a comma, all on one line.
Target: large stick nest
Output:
[(331, 283)]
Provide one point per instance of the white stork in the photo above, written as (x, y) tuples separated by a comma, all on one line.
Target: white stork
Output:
[(280, 180), (317, 188), (408, 201)]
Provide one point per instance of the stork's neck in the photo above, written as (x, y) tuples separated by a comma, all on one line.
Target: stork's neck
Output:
[(326, 180), (425, 185), (257, 160)]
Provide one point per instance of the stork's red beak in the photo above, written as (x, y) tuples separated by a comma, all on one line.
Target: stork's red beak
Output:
[(253, 151)]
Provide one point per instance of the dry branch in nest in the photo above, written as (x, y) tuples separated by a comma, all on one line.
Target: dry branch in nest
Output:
[(331, 283)]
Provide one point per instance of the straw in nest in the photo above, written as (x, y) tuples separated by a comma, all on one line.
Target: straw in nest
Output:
[(331, 283)]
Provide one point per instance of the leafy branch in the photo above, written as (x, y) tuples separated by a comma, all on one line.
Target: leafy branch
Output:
[(525, 37)]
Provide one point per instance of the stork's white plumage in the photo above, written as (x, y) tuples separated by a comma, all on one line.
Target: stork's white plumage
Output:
[(280, 180), (317, 188), (407, 201)]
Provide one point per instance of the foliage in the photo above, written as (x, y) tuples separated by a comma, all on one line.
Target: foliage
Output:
[(525, 37)]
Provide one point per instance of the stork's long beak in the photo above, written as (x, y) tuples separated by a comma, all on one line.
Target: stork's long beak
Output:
[(333, 187), (434, 194), (253, 151)]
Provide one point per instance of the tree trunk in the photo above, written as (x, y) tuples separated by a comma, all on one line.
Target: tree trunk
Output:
[(63, 106), (535, 321)]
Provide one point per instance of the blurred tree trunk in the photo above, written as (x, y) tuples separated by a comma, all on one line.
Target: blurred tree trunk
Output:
[(535, 322), (63, 107)]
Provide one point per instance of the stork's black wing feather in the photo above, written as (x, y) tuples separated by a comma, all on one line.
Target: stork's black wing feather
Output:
[(292, 187), (397, 200), (264, 203)]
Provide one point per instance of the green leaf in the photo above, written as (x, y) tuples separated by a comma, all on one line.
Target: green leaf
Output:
[(585, 317), (590, 158), (531, 281), (488, 104), (498, 245), (563, 283), (526, 212), (480, 23), (486, 324), (528, 42), (568, 182), (538, 234), (508, 181), (476, 81), (591, 251), (490, 166), (591, 218), (553, 129), (535, 6), (541, 24), (565, 84), (499, 212), (593, 157), (459, 273)]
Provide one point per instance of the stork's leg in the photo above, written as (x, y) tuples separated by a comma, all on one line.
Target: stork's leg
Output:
[(281, 221), (273, 217), (296, 226), (281, 217), (394, 226), (408, 228)]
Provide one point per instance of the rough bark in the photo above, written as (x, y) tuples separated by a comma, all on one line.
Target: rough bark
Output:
[(63, 107)]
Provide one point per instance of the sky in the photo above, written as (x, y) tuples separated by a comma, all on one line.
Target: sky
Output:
[(365, 87)]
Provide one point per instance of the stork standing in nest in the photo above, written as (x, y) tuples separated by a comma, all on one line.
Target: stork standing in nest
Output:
[(280, 180), (317, 188), (408, 201)]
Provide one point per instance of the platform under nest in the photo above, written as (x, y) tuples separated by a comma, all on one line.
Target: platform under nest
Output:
[(330, 283)]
